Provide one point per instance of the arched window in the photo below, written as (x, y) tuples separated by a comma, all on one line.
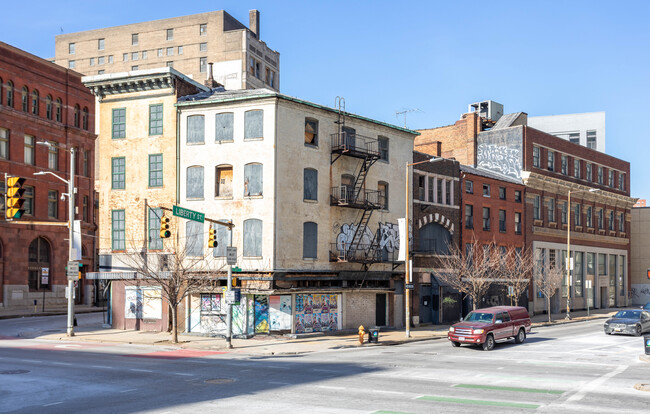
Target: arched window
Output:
[(253, 179), (10, 94), (58, 110), (39, 258), (84, 118), (252, 238), (48, 107), (195, 129), (25, 99), (35, 102), (76, 116), (194, 182), (434, 238)]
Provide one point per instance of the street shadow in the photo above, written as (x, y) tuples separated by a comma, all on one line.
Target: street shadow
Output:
[(110, 382)]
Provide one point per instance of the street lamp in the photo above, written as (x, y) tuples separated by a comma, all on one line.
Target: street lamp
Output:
[(71, 192), (568, 251), (407, 261)]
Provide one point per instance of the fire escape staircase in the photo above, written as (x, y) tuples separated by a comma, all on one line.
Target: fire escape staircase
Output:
[(347, 143)]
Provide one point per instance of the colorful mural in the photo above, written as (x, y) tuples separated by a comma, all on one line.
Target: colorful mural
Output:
[(280, 313), (317, 313), (261, 314)]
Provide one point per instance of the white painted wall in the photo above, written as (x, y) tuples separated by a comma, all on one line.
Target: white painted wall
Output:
[(561, 124)]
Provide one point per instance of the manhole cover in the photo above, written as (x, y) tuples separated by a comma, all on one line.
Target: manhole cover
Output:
[(14, 371), (642, 387), (219, 381)]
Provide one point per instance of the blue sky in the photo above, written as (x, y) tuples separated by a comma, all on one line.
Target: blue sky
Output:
[(542, 58)]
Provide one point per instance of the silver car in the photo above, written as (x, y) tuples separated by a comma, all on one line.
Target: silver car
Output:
[(631, 322)]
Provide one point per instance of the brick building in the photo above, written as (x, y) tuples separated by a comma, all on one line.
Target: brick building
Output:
[(493, 213), (436, 217), (188, 44), (42, 102), (550, 168)]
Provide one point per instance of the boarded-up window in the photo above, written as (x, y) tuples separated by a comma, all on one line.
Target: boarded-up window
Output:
[(224, 239), (194, 182), (224, 127), (253, 124), (253, 180), (310, 184), (253, 238), (309, 240), (311, 131), (194, 238), (383, 194), (224, 181), (195, 129)]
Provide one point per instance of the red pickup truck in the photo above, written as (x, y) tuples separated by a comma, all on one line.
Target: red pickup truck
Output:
[(486, 326)]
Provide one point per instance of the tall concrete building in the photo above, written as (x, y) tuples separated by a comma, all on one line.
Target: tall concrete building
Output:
[(187, 44), (587, 129)]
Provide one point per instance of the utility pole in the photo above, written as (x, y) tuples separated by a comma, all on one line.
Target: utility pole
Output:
[(70, 330)]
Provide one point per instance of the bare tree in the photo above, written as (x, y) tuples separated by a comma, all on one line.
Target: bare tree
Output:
[(471, 272), (548, 279), (515, 269), (178, 271)]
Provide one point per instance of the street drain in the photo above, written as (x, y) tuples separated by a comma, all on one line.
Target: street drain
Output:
[(642, 387), (14, 371), (219, 381)]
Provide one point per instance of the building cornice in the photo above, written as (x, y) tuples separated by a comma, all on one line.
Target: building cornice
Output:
[(545, 183)]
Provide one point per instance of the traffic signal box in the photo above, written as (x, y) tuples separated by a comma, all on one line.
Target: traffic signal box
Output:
[(212, 238), (164, 227), (14, 209)]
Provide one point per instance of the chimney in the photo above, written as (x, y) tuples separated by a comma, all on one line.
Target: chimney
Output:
[(210, 82), (254, 22)]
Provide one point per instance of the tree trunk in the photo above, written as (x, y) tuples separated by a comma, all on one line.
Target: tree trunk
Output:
[(174, 325), (548, 307)]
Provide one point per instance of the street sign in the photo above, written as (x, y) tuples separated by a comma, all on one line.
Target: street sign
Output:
[(410, 286), (73, 270), (188, 214), (230, 297), (231, 255)]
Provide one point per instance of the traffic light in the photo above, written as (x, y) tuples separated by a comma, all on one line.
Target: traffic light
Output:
[(164, 227), (15, 201), (212, 238)]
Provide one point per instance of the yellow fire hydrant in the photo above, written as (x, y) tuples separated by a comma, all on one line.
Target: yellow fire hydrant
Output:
[(362, 334)]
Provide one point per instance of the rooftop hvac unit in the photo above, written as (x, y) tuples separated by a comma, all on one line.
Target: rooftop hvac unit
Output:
[(487, 109)]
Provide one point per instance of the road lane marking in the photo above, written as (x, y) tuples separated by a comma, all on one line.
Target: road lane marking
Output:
[(129, 390), (479, 402), (140, 370), (61, 363), (101, 366), (516, 389), (184, 374), (51, 404), (590, 386), (279, 383), (329, 387)]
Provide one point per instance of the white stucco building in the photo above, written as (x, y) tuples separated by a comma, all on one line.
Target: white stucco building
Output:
[(314, 194), (586, 129)]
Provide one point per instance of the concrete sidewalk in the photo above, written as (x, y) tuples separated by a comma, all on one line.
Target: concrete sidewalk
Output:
[(271, 344)]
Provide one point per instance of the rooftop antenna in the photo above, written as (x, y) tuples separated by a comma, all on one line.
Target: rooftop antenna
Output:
[(406, 111)]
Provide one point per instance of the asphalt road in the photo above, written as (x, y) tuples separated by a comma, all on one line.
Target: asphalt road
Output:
[(566, 368)]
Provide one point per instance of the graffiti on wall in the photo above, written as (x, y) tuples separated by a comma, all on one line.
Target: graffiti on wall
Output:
[(388, 236), (500, 159)]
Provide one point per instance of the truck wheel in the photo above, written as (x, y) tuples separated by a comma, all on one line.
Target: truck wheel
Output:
[(455, 344), (488, 345), (521, 336)]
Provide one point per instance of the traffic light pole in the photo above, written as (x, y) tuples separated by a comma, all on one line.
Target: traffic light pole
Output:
[(229, 312), (70, 330)]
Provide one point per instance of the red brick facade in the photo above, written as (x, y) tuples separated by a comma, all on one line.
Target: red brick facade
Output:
[(59, 109)]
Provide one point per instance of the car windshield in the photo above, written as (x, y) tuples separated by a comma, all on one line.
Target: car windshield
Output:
[(627, 314), (478, 317), (646, 306)]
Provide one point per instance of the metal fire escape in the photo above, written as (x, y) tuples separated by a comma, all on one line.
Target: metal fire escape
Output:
[(346, 142)]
